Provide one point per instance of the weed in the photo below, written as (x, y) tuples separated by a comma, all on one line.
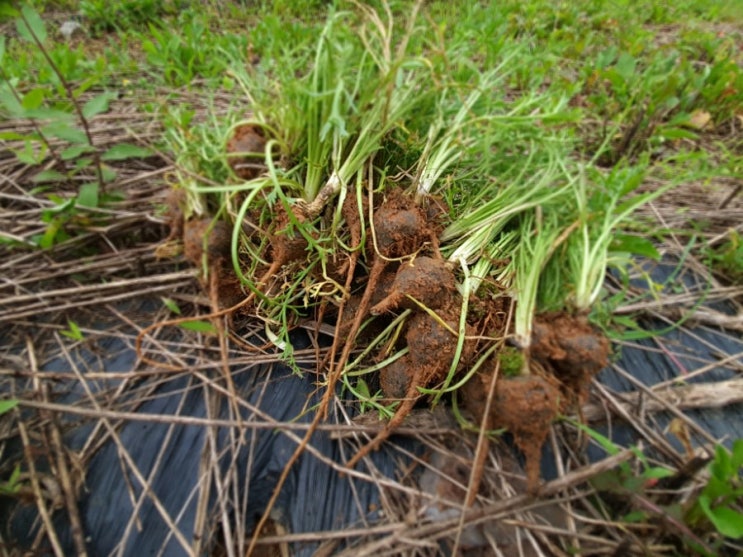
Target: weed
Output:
[(104, 16), (61, 133), (727, 257), (718, 504)]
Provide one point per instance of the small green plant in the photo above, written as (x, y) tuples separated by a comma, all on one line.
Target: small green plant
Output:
[(102, 16), (61, 133), (73, 332), (720, 503), (727, 258)]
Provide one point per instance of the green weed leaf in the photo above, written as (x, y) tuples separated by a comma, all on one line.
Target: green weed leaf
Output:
[(626, 66), (98, 104), (66, 131), (13, 484), (125, 151), (30, 25), (49, 114), (7, 405), (73, 331), (669, 132), (108, 174), (49, 176), (33, 99), (635, 245), (727, 521), (11, 104), (75, 151), (88, 195), (737, 458), (14, 136), (171, 305), (199, 327)]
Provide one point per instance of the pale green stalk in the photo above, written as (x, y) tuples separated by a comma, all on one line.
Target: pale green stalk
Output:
[(599, 215), (536, 245)]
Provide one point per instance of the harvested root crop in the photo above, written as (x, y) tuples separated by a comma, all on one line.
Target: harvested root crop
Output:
[(525, 405)]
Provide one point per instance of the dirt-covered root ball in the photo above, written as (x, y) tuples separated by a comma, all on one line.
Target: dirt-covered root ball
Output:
[(245, 151), (432, 345), (429, 281), (206, 237), (525, 405), (573, 349), (400, 226)]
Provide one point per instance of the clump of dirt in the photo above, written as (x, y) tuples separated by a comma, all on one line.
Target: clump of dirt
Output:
[(432, 342), (246, 151), (287, 245), (401, 226), (574, 349), (425, 280), (206, 245), (423, 283), (525, 405), (206, 240), (566, 352)]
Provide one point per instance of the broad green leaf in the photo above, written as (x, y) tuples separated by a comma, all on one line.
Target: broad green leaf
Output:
[(50, 114), (362, 388), (49, 176), (88, 195), (50, 234), (738, 453), (722, 466), (2, 48), (11, 104), (30, 155), (33, 99), (82, 162), (606, 57), (199, 327), (75, 151), (108, 173), (635, 245), (669, 132), (30, 24), (626, 66), (63, 130), (98, 104), (7, 405), (124, 151), (728, 522)]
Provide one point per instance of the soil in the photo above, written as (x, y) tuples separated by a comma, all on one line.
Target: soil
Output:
[(202, 234), (246, 151), (426, 280), (401, 227), (573, 349), (525, 405)]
